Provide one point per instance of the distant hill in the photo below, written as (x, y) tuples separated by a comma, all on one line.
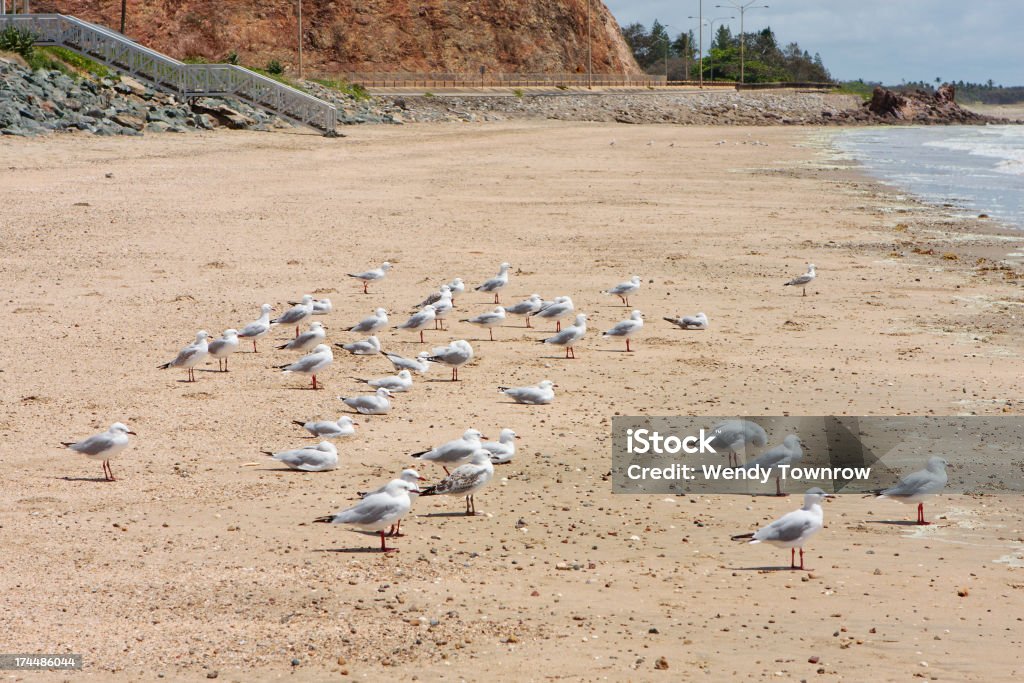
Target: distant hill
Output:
[(374, 35)]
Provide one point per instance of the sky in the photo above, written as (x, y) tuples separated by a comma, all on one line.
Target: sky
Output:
[(877, 40)]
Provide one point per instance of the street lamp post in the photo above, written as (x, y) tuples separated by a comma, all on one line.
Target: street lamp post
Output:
[(742, 10), (300, 40), (700, 48), (711, 31)]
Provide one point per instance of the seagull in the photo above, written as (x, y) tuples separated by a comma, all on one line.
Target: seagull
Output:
[(443, 306), (376, 403), (223, 347), (569, 336), (916, 487), (793, 529), (257, 328), (785, 454), (627, 328), (624, 289), (394, 383), (504, 448), (456, 286), (103, 446), (455, 451), (372, 275), (419, 364), (490, 320), (307, 340), (539, 395), (455, 355), (526, 307), (690, 322), (465, 480), (312, 363), (191, 355), (296, 314), (365, 347), (371, 323), (319, 458), (419, 320), (495, 283), (320, 306), (327, 429), (557, 309), (803, 280), (736, 435), (378, 511), (409, 475)]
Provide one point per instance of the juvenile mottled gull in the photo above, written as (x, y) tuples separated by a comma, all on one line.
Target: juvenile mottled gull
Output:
[(465, 480), (793, 529), (103, 446)]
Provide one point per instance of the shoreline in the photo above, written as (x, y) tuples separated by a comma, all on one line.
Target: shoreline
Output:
[(194, 563)]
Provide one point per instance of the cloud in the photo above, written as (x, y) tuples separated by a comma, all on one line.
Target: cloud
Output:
[(887, 40)]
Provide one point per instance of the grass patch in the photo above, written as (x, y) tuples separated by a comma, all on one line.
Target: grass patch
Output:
[(353, 90), (859, 88), (78, 62), (518, 93)]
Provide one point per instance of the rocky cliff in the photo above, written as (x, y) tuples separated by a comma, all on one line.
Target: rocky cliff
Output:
[(521, 36)]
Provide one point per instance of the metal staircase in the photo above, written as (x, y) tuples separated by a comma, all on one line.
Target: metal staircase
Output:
[(165, 73)]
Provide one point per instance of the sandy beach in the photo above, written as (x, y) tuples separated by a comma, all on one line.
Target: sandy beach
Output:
[(113, 252)]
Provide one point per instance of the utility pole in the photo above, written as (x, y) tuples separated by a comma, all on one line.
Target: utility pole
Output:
[(300, 40), (590, 54), (743, 42), (124, 14), (700, 48)]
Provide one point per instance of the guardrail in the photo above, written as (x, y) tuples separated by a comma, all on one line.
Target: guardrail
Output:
[(387, 79), (166, 73)]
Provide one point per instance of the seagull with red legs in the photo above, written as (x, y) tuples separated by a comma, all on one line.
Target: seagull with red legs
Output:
[(916, 487), (792, 530), (103, 446), (378, 511)]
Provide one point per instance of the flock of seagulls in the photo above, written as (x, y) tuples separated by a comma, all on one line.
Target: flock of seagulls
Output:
[(472, 460), (794, 529)]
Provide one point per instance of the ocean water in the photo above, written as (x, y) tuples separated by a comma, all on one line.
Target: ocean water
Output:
[(979, 169)]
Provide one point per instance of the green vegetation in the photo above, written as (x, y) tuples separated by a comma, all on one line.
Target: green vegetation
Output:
[(195, 59), (978, 93), (20, 42), (353, 90), (232, 58), (518, 93), (858, 88), (275, 68), (78, 62), (765, 61), (429, 94)]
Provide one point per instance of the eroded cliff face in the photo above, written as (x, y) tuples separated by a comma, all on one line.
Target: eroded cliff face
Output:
[(521, 36)]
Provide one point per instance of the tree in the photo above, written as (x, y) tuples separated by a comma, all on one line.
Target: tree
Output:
[(723, 38)]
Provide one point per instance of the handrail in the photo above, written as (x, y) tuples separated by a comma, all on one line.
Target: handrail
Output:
[(167, 73)]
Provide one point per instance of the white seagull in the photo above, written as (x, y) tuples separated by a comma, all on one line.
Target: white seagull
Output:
[(371, 323), (442, 307), (419, 320), (296, 314), (803, 280), (504, 449), (456, 286), (223, 347), (378, 511), (488, 320), (365, 347), (465, 480), (409, 475), (307, 340), (455, 355), (793, 529), (558, 308), (569, 336), (917, 487), (394, 383), (257, 328), (420, 365), (539, 395), (312, 363), (376, 403), (734, 436), (690, 322), (190, 356), (495, 283), (319, 458), (624, 289), (328, 429), (455, 451), (103, 446), (627, 328), (372, 275), (320, 306), (784, 454), (526, 307)]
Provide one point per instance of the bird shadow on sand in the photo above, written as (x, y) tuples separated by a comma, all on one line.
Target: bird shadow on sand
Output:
[(351, 550), (613, 351), (319, 388), (450, 514), (104, 479), (897, 522), (780, 568)]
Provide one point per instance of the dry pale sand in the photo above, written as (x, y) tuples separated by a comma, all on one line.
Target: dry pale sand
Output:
[(114, 252)]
